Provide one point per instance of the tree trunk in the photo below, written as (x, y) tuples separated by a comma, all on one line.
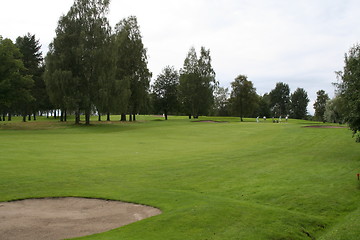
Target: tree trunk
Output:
[(130, 117), (189, 116), (29, 117), (34, 115), (241, 119), (108, 117), (65, 115), (87, 117), (99, 117), (3, 117), (165, 112), (24, 118), (55, 114), (123, 117), (134, 118), (77, 117), (9, 117), (62, 116)]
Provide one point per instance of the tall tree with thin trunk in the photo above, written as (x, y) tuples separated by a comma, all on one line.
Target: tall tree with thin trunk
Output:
[(165, 89), (320, 105), (131, 64), (197, 83), (243, 97), (30, 49), (299, 101)]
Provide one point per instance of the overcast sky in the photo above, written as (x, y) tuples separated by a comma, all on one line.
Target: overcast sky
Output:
[(299, 42)]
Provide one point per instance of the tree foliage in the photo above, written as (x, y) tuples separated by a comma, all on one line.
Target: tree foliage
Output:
[(349, 88), (221, 101), (320, 105), (131, 63), (15, 84), (197, 83), (299, 101), (30, 49), (165, 89), (243, 97), (280, 99), (334, 110), (263, 109), (77, 55)]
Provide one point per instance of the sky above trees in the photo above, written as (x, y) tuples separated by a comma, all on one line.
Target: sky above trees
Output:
[(301, 43)]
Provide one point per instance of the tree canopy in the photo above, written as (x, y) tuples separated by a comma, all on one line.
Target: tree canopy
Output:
[(280, 99), (299, 102), (30, 49), (243, 96), (131, 63), (76, 54), (15, 84), (165, 89), (197, 83), (348, 88), (320, 105)]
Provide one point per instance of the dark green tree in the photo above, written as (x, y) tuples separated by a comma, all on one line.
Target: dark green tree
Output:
[(348, 88), (15, 86), (335, 110), (221, 101), (30, 49), (77, 53), (243, 97), (131, 65), (165, 89), (320, 105), (280, 99), (197, 83), (299, 101), (263, 109)]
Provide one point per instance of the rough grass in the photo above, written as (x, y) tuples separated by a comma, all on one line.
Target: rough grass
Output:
[(212, 181)]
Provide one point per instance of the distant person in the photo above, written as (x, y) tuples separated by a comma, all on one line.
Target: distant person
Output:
[(257, 119), (264, 118), (286, 118)]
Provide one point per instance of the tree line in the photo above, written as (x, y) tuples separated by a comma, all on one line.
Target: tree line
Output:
[(93, 68)]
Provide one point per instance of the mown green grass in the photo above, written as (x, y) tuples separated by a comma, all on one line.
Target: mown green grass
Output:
[(227, 180)]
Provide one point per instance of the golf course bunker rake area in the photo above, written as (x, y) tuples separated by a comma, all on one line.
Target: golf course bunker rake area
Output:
[(59, 218)]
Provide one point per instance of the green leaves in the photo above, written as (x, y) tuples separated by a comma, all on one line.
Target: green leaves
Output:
[(243, 96), (280, 99), (349, 87), (15, 86), (165, 90), (197, 82), (299, 102)]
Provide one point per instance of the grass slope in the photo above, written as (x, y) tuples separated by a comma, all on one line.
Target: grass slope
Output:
[(211, 180)]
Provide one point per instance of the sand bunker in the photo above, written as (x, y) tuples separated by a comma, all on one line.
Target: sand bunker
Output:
[(59, 218)]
